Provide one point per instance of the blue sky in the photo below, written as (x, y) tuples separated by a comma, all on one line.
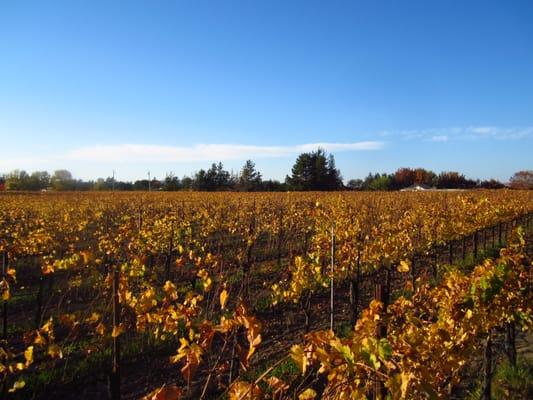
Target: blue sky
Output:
[(133, 86)]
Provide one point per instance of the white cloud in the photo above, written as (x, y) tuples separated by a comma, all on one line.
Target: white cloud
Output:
[(499, 133), (439, 138), (205, 152), (463, 133), (483, 130), (23, 162)]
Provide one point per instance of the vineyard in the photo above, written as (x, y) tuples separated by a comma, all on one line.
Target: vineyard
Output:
[(262, 296)]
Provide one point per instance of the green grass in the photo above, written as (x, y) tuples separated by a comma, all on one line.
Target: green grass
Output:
[(344, 329), (263, 303), (513, 382), (95, 365), (508, 383)]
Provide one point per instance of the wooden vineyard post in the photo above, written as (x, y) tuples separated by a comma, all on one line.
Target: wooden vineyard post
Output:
[(493, 236), (500, 234), (381, 332), (115, 369), (450, 252), (5, 261), (464, 248), (331, 309), (487, 368)]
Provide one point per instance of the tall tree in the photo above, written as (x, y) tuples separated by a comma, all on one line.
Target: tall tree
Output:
[(315, 171), (355, 184), (249, 178), (171, 183), (187, 182), (378, 181), (491, 184), (200, 180), (62, 180), (334, 180), (404, 177), (17, 180), (454, 180), (39, 180), (522, 180), (424, 176), (222, 177), (215, 178)]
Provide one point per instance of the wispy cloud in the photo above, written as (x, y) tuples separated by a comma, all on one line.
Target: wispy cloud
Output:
[(462, 133), (484, 130), (499, 133), (24, 162), (205, 152)]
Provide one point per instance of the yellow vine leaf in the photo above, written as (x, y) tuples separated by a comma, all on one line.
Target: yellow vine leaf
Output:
[(307, 394), (4, 289), (165, 393), (54, 351), (403, 267), (223, 298), (93, 318), (297, 354), (47, 269), (100, 329), (28, 355), (17, 385), (11, 272), (244, 391), (117, 331)]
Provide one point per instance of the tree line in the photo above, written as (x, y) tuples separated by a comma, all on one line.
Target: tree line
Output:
[(407, 177), (314, 170)]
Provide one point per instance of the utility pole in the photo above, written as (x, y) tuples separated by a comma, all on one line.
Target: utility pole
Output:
[(149, 182)]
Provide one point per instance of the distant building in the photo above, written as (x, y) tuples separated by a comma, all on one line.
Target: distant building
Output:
[(416, 187)]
